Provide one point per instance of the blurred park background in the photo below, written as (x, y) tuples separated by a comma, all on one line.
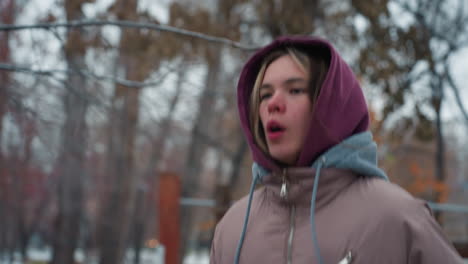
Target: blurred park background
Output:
[(102, 99)]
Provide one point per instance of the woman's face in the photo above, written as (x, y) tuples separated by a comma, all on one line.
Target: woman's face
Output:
[(285, 108)]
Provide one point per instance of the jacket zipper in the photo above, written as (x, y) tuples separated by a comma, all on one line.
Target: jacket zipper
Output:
[(284, 186), (292, 227), (292, 218), (347, 259)]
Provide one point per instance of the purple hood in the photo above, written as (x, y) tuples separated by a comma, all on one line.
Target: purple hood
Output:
[(340, 111)]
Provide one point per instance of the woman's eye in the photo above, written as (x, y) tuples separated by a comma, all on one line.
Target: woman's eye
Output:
[(297, 90), (264, 96)]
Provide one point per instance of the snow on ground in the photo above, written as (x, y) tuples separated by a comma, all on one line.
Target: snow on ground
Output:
[(202, 257), (148, 256)]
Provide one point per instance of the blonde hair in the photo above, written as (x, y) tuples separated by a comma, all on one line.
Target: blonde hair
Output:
[(315, 65)]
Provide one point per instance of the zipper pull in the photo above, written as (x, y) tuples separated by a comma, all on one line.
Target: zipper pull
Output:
[(284, 186), (347, 259)]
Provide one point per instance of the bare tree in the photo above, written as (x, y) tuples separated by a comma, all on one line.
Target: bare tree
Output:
[(135, 25), (7, 17), (118, 207), (71, 161), (149, 175), (440, 23), (21, 175), (393, 56), (195, 156)]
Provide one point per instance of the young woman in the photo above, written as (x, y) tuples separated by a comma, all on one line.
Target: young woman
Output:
[(323, 199)]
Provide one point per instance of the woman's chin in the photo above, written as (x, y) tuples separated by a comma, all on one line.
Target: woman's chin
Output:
[(285, 159)]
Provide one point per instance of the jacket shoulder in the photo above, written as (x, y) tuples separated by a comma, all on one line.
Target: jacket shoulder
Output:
[(406, 223), (229, 229), (238, 209), (392, 205)]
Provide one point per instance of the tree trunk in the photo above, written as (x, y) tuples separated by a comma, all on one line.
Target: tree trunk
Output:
[(237, 161), (144, 203), (70, 182), (118, 206), (7, 8), (440, 164), (438, 98), (138, 229), (7, 11), (71, 161), (15, 212), (223, 191), (25, 229), (197, 148)]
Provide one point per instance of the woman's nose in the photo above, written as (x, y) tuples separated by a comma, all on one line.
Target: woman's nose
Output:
[(276, 104)]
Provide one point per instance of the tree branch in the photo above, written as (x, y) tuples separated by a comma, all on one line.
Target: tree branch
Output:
[(52, 72), (129, 24), (456, 92), (420, 17), (210, 141)]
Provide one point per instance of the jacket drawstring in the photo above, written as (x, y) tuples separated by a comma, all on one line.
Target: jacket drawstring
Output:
[(246, 219), (312, 210), (312, 214)]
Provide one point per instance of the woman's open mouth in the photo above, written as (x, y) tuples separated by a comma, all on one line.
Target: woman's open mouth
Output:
[(274, 130)]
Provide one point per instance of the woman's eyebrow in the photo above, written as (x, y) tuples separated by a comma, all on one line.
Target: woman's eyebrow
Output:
[(294, 80), (286, 82)]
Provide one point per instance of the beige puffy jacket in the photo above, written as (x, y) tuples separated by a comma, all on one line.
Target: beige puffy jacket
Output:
[(358, 220)]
